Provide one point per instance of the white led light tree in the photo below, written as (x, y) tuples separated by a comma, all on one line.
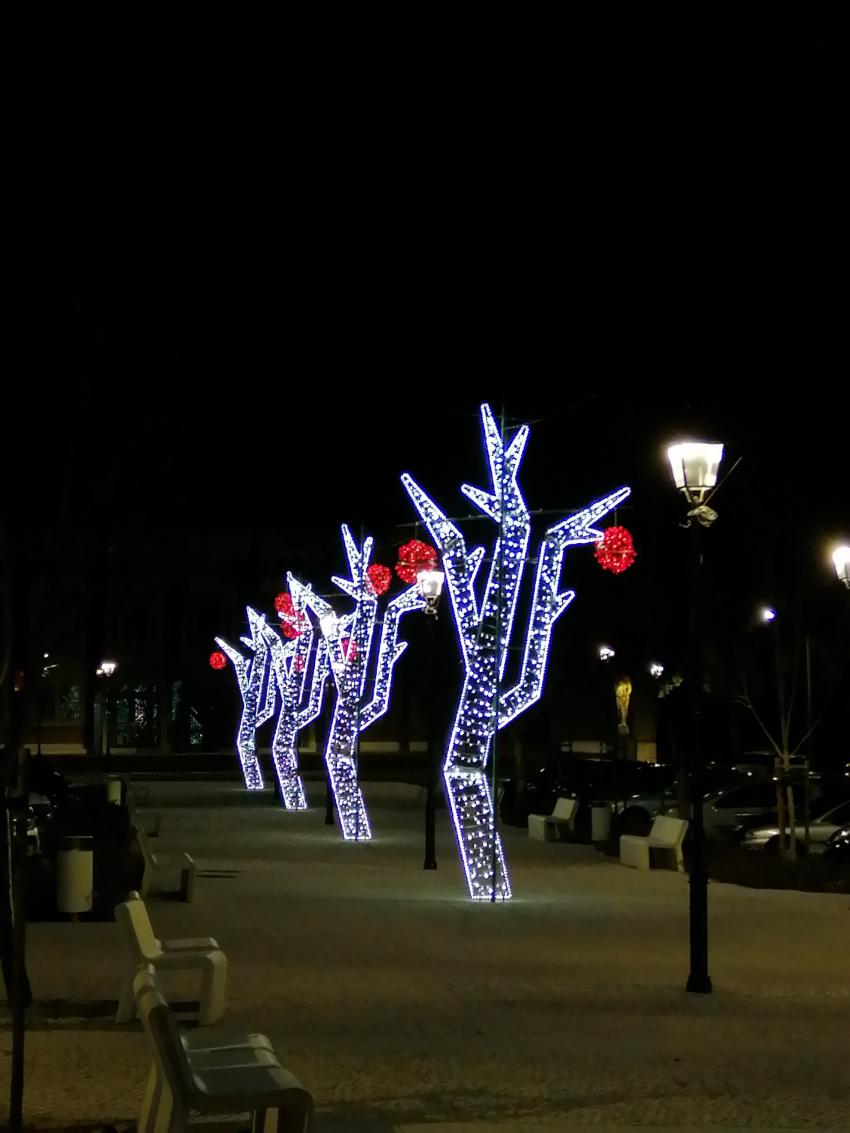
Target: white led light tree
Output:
[(485, 631), (291, 661), (349, 642), (257, 689)]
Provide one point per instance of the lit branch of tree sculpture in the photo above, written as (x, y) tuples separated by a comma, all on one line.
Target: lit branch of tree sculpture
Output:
[(257, 689), (349, 642), (485, 633), (291, 661)]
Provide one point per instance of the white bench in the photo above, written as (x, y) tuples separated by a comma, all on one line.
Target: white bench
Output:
[(545, 827), (142, 947), (664, 839), (230, 1079), (158, 864), (149, 820)]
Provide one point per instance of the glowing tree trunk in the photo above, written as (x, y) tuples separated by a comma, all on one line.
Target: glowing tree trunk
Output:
[(485, 633), (257, 689), (291, 661), (349, 643)]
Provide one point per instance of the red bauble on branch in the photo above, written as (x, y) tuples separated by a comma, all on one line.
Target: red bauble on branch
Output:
[(291, 620), (217, 660), (413, 557), (615, 551), (379, 577), (349, 648), (299, 663)]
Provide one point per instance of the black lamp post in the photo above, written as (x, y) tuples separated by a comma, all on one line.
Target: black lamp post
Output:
[(694, 466), (430, 584), (106, 670)]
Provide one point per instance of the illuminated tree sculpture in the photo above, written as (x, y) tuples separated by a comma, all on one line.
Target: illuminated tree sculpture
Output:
[(291, 661), (349, 642), (257, 689), (485, 630)]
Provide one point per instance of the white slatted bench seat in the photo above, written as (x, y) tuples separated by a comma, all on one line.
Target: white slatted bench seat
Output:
[(160, 866), (546, 827), (141, 947), (224, 1080), (664, 842)]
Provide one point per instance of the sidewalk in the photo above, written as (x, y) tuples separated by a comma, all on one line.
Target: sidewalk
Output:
[(399, 1003)]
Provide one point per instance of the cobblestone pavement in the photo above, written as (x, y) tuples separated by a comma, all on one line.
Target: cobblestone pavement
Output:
[(398, 1002)]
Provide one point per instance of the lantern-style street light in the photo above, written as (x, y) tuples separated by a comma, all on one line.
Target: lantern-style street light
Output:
[(695, 465), (430, 586), (841, 560)]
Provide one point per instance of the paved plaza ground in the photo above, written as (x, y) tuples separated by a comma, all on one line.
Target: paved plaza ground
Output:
[(398, 1002)]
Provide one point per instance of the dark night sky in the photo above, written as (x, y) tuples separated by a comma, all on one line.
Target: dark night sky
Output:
[(296, 249)]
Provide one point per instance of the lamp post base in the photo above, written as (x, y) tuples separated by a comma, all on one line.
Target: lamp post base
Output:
[(701, 985), (429, 863)]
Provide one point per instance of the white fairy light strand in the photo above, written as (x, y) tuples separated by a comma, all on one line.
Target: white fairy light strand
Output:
[(349, 669), (253, 677), (290, 661), (484, 633)]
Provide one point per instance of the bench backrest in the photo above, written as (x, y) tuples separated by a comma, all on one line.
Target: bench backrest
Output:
[(164, 1037), (132, 917), (565, 809), (668, 829)]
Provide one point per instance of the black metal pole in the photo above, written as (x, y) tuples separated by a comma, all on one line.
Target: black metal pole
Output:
[(21, 995), (106, 712), (698, 980), (431, 768), (329, 795)]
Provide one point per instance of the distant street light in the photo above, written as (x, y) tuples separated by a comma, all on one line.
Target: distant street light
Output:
[(695, 465), (767, 613), (656, 669), (841, 559), (430, 586), (606, 653)]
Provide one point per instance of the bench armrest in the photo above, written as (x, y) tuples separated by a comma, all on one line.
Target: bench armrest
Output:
[(191, 944)]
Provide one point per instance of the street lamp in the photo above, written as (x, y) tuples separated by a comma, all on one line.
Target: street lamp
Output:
[(605, 653), (430, 586), (841, 559), (694, 465), (767, 613), (106, 670), (656, 669)]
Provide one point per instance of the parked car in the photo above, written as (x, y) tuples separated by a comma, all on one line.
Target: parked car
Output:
[(725, 810), (582, 779), (664, 798), (837, 849), (826, 818)]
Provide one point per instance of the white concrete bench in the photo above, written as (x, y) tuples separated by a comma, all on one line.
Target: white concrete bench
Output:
[(546, 827), (142, 947), (232, 1079), (148, 820), (158, 865), (664, 841)]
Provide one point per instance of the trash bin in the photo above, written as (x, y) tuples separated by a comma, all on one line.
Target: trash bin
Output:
[(600, 821), (74, 874), (114, 790)]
